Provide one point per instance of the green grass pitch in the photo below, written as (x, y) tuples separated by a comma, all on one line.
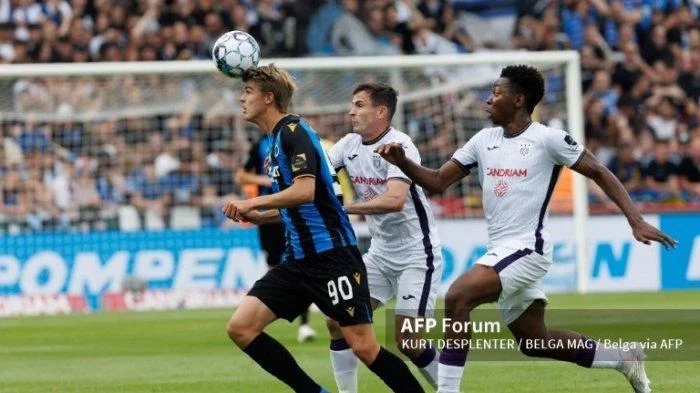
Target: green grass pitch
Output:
[(188, 351)]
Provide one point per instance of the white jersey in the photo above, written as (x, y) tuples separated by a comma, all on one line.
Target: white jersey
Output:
[(517, 176), (413, 228)]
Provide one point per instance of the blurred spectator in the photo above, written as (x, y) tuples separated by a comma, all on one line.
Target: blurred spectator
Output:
[(626, 168), (689, 171), (148, 192), (351, 37), (660, 174)]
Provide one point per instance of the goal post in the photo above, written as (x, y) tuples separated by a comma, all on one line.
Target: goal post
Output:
[(440, 99)]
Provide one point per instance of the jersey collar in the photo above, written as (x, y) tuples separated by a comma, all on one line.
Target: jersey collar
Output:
[(377, 139), (284, 121), (505, 134)]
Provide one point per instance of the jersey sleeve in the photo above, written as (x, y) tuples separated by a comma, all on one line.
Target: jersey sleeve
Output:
[(299, 150), (335, 154), (466, 157), (562, 147), (393, 172), (252, 163)]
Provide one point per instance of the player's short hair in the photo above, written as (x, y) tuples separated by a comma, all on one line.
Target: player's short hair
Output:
[(274, 80), (526, 80), (380, 94)]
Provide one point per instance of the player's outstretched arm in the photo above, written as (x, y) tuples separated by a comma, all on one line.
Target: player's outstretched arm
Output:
[(392, 200), (435, 181), (589, 166)]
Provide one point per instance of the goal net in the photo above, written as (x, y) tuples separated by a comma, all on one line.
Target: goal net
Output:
[(123, 147)]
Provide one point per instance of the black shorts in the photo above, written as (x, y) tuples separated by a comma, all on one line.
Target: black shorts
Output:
[(335, 280), (273, 242)]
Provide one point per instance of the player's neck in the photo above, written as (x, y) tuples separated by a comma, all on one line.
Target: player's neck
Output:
[(268, 122), (375, 133), (517, 125)]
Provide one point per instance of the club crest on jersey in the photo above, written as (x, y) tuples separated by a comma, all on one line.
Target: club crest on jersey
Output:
[(501, 189), (525, 149), (377, 161), (570, 141)]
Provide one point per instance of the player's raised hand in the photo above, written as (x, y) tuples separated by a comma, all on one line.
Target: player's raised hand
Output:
[(646, 233), (392, 152)]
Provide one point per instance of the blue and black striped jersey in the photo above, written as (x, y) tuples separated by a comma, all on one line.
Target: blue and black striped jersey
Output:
[(320, 225)]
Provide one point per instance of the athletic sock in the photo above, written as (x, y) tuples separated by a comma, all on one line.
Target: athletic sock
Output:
[(450, 370), (345, 365), (394, 372), (276, 360), (606, 357), (427, 363)]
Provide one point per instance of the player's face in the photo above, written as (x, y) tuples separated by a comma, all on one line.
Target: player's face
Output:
[(500, 105), (252, 101), (364, 116)]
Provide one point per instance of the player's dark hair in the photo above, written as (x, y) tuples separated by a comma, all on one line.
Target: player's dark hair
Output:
[(526, 80), (274, 80), (380, 94)]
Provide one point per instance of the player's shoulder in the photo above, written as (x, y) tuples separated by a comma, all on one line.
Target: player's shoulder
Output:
[(398, 136), (486, 134), (349, 140), (544, 130)]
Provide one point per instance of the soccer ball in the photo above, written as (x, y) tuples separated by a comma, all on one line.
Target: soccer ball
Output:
[(235, 52)]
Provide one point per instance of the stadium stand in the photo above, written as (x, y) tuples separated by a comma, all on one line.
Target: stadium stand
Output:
[(640, 64)]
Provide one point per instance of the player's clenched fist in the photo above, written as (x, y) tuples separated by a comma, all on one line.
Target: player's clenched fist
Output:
[(392, 152), (237, 210)]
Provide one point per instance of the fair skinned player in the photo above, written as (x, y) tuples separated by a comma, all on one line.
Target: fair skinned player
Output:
[(405, 258), (322, 264)]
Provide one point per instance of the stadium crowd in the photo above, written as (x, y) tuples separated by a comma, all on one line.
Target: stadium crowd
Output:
[(640, 63)]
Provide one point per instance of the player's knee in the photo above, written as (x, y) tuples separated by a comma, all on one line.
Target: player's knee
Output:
[(240, 332), (458, 300), (408, 344), (365, 350)]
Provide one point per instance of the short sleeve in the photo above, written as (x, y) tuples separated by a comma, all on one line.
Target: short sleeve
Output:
[(412, 154), (466, 157), (299, 150), (253, 162), (335, 154), (562, 147)]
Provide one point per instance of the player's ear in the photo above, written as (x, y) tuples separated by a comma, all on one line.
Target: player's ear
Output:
[(519, 101), (269, 98), (383, 112)]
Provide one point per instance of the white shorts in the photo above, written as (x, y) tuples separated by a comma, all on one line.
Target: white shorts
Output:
[(521, 271), (413, 278)]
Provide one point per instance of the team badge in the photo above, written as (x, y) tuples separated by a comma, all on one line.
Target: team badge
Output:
[(292, 127), (525, 149), (377, 161), (570, 141)]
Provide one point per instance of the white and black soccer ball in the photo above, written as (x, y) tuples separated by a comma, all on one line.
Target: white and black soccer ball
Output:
[(235, 52)]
